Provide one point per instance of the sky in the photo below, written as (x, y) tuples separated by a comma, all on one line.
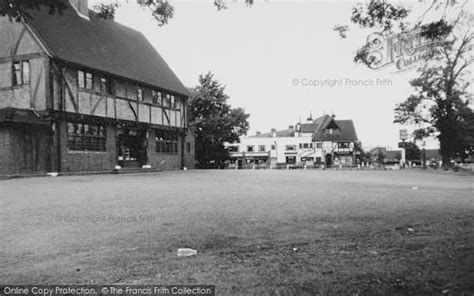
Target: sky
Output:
[(281, 61)]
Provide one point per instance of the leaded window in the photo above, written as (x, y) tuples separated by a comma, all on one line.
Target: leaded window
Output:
[(86, 137)]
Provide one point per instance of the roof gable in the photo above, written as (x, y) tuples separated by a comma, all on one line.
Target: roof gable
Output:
[(103, 45), (346, 131), (315, 125)]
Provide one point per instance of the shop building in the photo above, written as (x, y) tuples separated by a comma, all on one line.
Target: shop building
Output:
[(80, 93), (321, 141)]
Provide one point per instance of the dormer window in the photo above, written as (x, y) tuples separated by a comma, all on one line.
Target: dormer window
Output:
[(332, 131)]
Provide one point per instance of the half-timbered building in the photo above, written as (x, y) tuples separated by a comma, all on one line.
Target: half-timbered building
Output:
[(81, 93), (335, 141)]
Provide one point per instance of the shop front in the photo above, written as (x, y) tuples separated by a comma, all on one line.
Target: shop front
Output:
[(132, 146)]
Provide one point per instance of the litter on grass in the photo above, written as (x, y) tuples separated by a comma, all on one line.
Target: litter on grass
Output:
[(186, 252)]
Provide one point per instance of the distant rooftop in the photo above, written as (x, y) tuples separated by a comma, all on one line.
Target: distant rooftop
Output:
[(317, 127)]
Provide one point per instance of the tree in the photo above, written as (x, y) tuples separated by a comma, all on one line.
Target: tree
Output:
[(17, 9), (380, 156), (441, 104), (161, 10), (412, 152), (362, 156), (214, 121)]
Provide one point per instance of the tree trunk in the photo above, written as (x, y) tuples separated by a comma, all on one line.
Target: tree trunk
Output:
[(446, 162)]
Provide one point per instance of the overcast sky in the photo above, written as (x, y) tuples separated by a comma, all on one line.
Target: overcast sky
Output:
[(265, 53)]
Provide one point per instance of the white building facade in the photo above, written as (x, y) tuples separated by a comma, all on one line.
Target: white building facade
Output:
[(323, 141)]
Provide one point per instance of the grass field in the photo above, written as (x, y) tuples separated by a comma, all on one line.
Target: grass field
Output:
[(256, 232)]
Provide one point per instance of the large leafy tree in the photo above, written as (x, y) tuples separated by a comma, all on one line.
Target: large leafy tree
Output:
[(412, 152), (214, 121), (442, 104)]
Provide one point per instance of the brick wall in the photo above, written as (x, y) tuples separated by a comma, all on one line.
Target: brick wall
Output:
[(78, 161), (162, 161), (189, 157)]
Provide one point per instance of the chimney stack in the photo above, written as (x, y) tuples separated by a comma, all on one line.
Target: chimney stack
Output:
[(82, 8), (274, 132)]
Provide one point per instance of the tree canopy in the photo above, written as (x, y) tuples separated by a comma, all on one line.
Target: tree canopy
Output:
[(161, 10), (412, 152), (441, 105), (214, 121)]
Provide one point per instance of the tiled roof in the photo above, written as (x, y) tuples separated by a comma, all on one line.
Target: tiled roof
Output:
[(347, 132), (313, 126), (317, 127), (103, 45)]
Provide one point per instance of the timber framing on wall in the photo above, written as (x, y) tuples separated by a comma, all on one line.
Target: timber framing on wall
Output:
[(135, 93)]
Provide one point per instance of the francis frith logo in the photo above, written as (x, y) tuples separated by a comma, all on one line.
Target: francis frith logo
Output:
[(404, 51)]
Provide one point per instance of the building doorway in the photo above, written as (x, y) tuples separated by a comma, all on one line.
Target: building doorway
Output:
[(291, 160), (132, 147), (32, 147)]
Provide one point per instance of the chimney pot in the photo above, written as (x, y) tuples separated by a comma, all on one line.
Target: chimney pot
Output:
[(82, 7)]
